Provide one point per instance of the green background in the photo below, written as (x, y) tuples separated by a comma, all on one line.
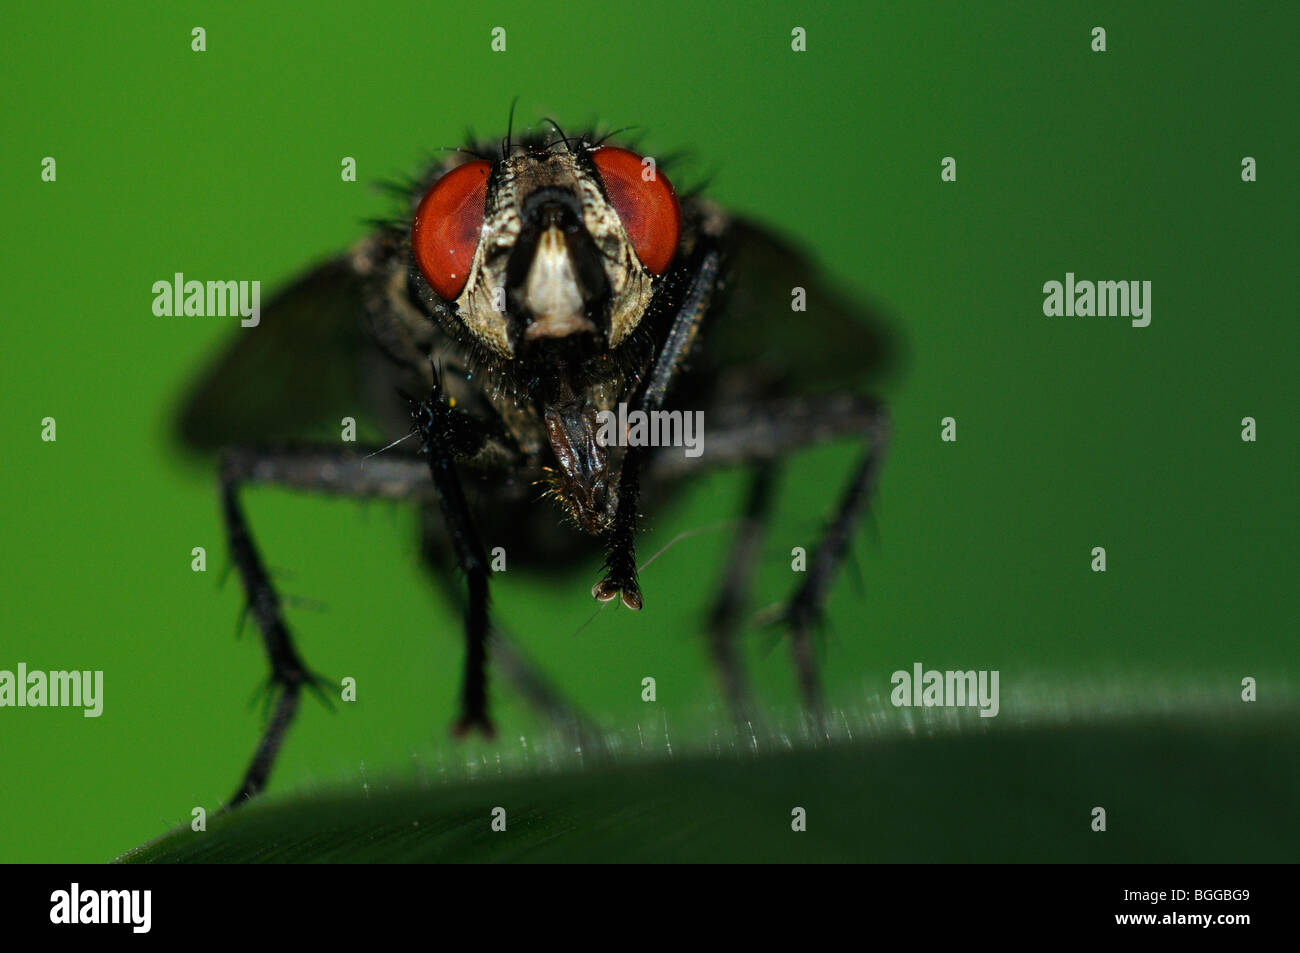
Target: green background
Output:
[(1073, 433)]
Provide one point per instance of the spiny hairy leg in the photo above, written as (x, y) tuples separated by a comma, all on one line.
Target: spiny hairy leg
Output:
[(338, 471), (288, 673)]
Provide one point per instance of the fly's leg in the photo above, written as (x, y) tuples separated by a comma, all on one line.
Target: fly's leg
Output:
[(535, 688), (733, 594), (288, 673), (769, 430), (447, 433), (335, 471), (620, 577), (806, 606)]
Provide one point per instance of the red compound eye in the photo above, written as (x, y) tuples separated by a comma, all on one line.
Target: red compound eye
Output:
[(447, 225), (648, 209)]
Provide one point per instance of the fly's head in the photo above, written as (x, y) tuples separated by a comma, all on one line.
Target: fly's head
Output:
[(551, 243), (552, 262)]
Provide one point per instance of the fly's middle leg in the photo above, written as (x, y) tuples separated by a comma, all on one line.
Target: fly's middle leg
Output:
[(733, 593), (765, 431)]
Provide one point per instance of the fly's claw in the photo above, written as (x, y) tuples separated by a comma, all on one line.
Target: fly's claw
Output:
[(614, 585)]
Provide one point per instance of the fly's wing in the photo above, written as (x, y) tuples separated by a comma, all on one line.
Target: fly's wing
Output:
[(834, 342), (299, 371)]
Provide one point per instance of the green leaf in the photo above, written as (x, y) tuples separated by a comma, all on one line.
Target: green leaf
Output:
[(1178, 788)]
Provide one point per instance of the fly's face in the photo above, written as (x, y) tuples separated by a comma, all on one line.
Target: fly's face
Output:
[(552, 249)]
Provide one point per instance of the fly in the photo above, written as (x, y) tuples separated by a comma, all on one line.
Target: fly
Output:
[(527, 291)]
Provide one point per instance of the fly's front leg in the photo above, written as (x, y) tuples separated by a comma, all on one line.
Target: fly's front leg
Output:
[(620, 561), (446, 434)]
